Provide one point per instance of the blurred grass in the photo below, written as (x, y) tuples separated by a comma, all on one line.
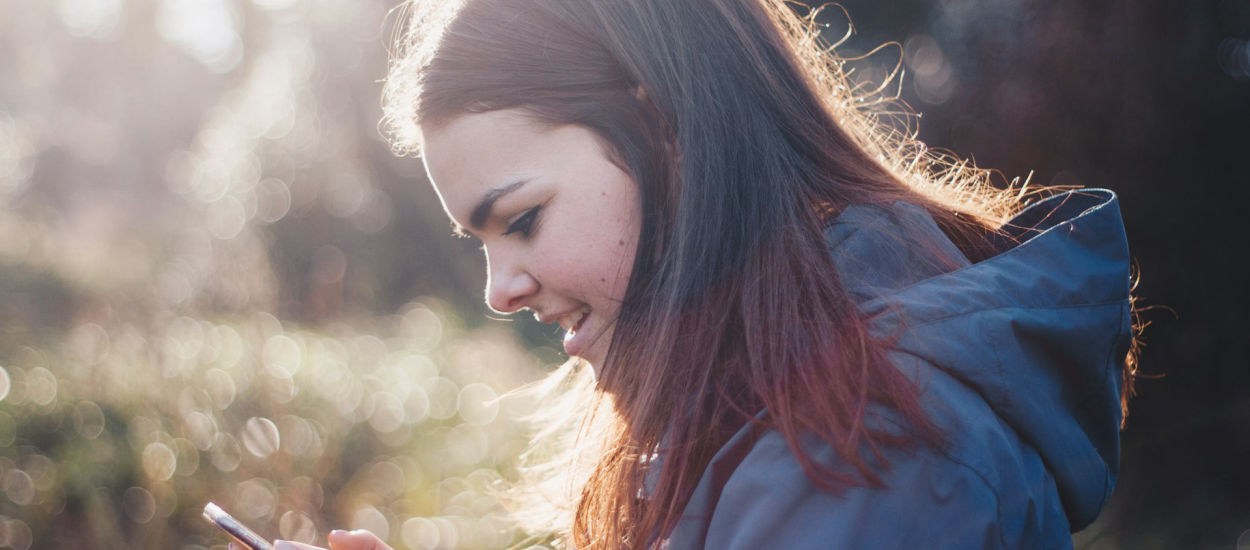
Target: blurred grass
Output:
[(117, 437)]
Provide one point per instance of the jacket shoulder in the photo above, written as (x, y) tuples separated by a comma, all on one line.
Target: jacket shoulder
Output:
[(931, 500), (984, 488)]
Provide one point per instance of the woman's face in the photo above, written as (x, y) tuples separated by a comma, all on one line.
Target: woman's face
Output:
[(558, 220)]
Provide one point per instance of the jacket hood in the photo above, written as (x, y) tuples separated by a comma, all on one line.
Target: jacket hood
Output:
[(1040, 330)]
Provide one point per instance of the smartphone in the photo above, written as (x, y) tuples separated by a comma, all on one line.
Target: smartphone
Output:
[(242, 535)]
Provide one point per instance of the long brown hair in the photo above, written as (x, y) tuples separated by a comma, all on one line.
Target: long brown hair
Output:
[(745, 138)]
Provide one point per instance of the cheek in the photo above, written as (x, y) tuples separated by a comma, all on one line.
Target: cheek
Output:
[(601, 269), (620, 248), (614, 278), (600, 261), (605, 235)]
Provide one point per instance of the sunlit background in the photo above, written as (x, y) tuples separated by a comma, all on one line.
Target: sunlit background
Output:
[(216, 282)]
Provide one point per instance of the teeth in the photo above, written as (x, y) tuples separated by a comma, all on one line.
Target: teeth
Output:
[(569, 321)]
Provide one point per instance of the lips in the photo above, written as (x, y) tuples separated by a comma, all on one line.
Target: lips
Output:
[(571, 321), (572, 324)]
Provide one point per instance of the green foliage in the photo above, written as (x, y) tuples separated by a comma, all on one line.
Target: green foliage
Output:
[(118, 438)]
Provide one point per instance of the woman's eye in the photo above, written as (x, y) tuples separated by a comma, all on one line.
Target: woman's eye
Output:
[(524, 224)]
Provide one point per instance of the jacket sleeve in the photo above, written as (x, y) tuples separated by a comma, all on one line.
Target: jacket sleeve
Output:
[(930, 502)]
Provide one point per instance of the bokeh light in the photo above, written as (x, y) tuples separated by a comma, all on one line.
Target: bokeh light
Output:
[(206, 29), (190, 405), (15, 534), (478, 404), (159, 461), (94, 18), (139, 504), (297, 526), (5, 383), (260, 437)]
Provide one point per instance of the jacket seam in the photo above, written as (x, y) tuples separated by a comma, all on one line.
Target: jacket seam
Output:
[(1104, 200)]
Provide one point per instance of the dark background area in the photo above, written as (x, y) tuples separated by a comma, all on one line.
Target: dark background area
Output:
[(1151, 100)]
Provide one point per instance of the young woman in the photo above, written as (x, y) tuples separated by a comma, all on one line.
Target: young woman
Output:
[(805, 331)]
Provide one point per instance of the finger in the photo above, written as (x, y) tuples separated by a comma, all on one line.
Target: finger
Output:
[(289, 545), (356, 540)]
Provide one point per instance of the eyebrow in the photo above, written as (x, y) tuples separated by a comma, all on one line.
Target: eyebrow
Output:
[(482, 210)]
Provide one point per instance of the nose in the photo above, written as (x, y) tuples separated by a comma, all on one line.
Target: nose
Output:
[(508, 285)]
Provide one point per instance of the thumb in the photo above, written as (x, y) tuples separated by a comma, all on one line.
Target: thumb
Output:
[(359, 539)]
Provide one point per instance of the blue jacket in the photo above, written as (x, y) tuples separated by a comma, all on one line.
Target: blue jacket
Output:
[(1018, 359)]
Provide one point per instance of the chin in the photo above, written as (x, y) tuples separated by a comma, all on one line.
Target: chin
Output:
[(594, 357), (593, 361), (594, 350)]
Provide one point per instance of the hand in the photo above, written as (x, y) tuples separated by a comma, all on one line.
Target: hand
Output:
[(339, 540)]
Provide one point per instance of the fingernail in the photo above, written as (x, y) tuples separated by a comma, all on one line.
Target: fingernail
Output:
[(338, 533), (283, 545)]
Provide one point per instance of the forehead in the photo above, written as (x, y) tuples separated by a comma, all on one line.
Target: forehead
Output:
[(476, 152)]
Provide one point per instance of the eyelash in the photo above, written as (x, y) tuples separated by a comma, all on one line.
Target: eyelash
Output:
[(524, 224)]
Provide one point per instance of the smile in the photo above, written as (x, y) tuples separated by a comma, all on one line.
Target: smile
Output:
[(572, 321)]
